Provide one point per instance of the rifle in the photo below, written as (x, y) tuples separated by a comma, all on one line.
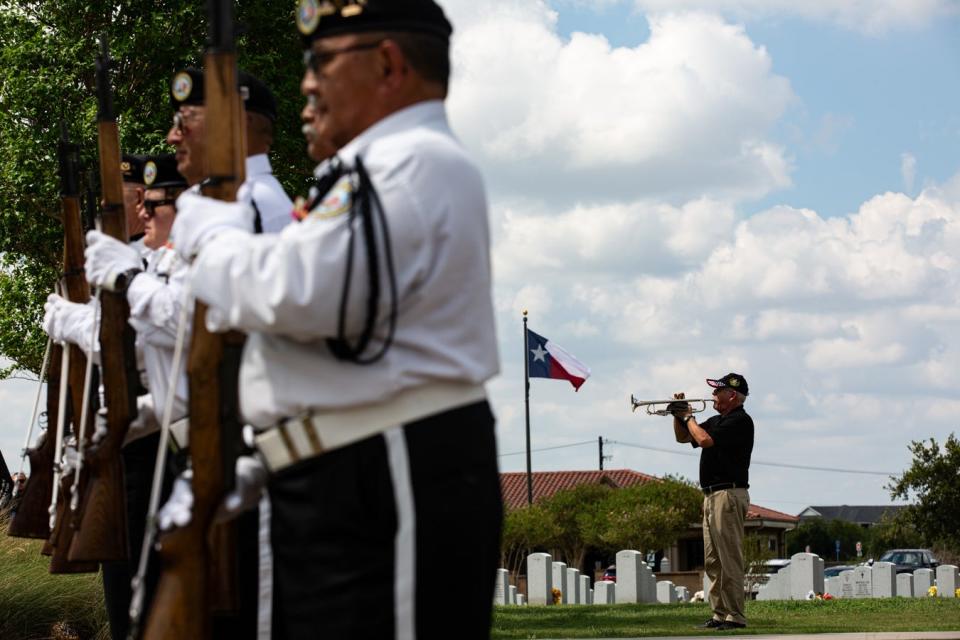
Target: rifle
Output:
[(77, 290), (102, 513), (32, 519), (199, 560)]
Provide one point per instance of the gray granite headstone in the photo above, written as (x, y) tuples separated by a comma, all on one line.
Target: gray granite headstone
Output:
[(539, 579), (573, 586), (584, 589), (648, 584), (922, 581), (948, 579), (603, 592), (629, 574), (666, 592), (501, 588), (884, 579), (560, 579), (904, 585), (806, 575), (512, 597), (521, 600), (832, 586), (846, 583), (863, 582), (683, 594)]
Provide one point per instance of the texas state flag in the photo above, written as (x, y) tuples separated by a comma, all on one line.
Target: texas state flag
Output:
[(546, 359)]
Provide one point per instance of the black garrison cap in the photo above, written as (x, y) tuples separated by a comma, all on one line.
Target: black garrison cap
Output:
[(187, 88), (322, 18)]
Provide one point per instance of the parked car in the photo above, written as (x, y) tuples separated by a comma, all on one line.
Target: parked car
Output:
[(833, 572), (754, 581), (909, 560), (611, 573)]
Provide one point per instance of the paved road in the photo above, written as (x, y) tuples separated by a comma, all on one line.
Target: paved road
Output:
[(863, 635)]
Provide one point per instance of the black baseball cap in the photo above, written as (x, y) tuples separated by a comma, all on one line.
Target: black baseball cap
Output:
[(733, 381), (320, 19), (160, 172), (187, 89)]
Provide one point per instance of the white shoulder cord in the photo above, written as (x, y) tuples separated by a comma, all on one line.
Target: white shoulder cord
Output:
[(33, 417), (58, 446), (84, 409), (137, 584)]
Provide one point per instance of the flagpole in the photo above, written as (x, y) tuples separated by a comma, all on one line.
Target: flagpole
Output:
[(526, 398)]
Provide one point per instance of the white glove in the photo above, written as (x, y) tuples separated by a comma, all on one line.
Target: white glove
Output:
[(146, 419), (100, 426), (200, 219), (107, 258), (251, 477), (179, 506), (69, 460), (66, 321)]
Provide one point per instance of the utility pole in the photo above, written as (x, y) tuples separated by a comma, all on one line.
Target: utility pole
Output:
[(602, 457)]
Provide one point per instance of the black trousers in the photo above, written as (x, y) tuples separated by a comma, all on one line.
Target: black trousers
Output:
[(396, 536)]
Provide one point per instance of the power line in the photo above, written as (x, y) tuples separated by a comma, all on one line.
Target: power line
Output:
[(562, 446), (760, 462)]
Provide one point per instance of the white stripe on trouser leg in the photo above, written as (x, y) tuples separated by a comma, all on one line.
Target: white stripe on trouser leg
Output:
[(404, 586), (265, 599)]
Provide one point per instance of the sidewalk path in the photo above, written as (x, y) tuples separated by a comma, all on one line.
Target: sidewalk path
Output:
[(862, 635)]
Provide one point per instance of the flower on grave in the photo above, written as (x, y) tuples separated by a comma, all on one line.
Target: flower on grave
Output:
[(956, 594), (932, 591), (557, 595), (811, 595), (827, 596)]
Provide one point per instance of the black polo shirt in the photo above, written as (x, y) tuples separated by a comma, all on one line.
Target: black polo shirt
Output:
[(728, 460)]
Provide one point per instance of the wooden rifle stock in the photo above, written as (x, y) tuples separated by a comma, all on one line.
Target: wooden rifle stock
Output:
[(32, 520), (102, 514), (184, 600), (76, 290)]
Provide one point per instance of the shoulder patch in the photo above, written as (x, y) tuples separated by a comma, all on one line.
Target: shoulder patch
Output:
[(337, 201)]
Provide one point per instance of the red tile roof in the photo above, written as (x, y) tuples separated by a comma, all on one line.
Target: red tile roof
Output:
[(513, 486)]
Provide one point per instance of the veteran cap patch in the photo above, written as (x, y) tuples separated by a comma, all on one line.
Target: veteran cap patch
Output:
[(733, 381), (322, 18)]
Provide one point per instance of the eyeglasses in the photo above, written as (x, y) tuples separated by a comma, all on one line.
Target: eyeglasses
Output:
[(181, 120), (151, 205), (316, 60)]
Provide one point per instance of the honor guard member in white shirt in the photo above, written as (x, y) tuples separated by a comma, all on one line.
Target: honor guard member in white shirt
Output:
[(260, 188), (370, 335)]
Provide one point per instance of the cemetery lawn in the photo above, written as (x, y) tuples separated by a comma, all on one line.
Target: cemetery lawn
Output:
[(770, 617)]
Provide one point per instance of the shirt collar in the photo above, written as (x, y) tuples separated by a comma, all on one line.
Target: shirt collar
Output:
[(258, 165), (406, 118)]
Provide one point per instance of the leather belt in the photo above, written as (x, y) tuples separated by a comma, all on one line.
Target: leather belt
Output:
[(316, 433), (723, 485)]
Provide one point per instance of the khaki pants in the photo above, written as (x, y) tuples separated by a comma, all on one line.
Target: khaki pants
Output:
[(723, 515)]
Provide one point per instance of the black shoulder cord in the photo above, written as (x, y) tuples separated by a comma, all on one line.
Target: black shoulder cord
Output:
[(257, 218), (370, 209)]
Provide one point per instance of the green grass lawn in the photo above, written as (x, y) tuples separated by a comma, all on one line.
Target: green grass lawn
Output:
[(35, 604), (626, 620)]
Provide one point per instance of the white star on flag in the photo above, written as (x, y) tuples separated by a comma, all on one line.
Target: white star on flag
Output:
[(539, 353)]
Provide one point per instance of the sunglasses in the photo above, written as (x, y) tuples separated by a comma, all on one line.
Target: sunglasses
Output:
[(317, 60), (151, 205)]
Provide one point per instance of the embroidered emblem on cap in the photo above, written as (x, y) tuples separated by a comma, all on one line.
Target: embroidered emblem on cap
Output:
[(733, 382), (182, 86), (337, 201), (124, 166), (149, 173), (308, 16), (352, 8)]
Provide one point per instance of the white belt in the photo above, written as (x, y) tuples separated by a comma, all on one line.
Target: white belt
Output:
[(319, 432), (180, 433)]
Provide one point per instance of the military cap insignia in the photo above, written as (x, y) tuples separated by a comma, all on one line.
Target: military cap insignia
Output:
[(149, 173), (308, 16), (310, 12), (337, 201), (124, 166), (182, 86), (733, 382)]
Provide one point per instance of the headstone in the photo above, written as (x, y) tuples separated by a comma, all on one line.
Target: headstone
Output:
[(560, 580), (832, 586), (590, 597), (846, 583), (501, 588), (947, 581), (521, 600), (584, 590), (666, 592), (664, 565), (922, 581), (863, 582), (539, 579), (603, 592), (683, 594), (648, 584), (512, 598), (573, 586), (706, 587), (884, 579), (629, 575), (904, 585), (806, 575)]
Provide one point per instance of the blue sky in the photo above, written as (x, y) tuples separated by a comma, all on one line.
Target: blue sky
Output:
[(682, 188)]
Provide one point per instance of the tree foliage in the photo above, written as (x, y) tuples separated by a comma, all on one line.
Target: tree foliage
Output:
[(47, 52), (577, 512), (525, 531), (933, 481), (821, 536)]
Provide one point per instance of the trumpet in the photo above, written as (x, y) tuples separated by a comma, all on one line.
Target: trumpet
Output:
[(696, 405)]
